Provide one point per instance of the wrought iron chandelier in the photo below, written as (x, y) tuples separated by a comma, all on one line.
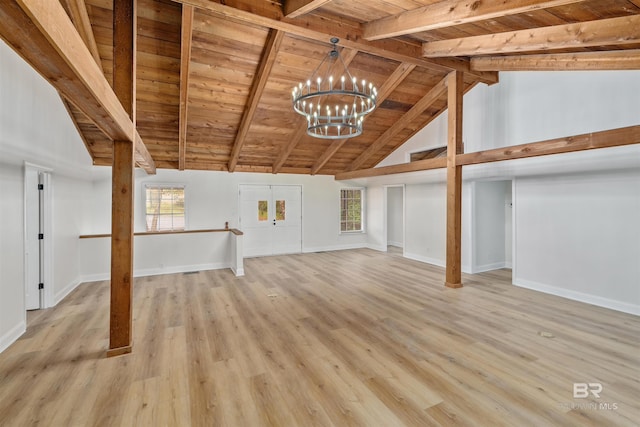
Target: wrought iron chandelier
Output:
[(335, 108)]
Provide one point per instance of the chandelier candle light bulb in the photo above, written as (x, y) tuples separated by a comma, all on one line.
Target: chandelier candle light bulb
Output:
[(332, 126)]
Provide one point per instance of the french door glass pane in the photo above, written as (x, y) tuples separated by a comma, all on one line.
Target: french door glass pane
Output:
[(263, 210), (280, 210)]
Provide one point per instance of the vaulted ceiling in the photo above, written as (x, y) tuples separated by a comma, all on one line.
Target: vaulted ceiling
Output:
[(214, 78)]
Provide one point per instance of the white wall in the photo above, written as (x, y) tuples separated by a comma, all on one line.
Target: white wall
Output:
[(376, 224), (161, 254), (535, 106), (70, 196), (395, 220), (12, 305), (34, 124), (529, 107), (425, 222), (579, 236), (211, 199), (35, 128)]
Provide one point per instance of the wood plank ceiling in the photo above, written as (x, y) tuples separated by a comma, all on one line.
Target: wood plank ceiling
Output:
[(214, 78)]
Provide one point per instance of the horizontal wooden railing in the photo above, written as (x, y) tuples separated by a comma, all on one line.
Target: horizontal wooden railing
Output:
[(155, 233)]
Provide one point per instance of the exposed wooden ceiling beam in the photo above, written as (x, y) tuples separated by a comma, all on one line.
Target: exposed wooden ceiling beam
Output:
[(394, 80), (449, 13), (419, 107), (186, 36), (603, 32), (80, 17), (320, 29), (77, 11), (588, 141), (420, 165), (347, 56), (143, 157), (288, 148), (610, 60), (335, 146), (271, 48), (41, 32), (399, 74), (295, 8)]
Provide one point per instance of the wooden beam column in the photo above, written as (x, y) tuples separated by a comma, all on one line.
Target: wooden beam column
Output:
[(123, 170), (455, 87)]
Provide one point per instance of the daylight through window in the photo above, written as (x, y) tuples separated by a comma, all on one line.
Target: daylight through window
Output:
[(165, 208), (351, 202)]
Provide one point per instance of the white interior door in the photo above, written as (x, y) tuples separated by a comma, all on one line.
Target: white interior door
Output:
[(271, 219)]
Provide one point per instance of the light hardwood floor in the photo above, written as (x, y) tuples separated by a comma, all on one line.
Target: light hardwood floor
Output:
[(339, 338)]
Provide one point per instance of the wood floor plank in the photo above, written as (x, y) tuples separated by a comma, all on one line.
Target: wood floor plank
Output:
[(269, 402), (349, 338)]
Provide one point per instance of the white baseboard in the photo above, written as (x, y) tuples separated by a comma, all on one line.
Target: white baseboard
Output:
[(396, 244), (437, 262), (61, 294), (180, 269), (432, 261), (94, 277), (579, 296), (238, 272), (158, 271), (12, 335), (489, 267), (334, 248)]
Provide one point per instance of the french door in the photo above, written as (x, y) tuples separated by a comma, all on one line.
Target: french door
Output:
[(271, 219)]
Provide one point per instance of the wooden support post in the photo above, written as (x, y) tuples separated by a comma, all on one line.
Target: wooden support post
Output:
[(455, 85), (124, 65), (121, 249)]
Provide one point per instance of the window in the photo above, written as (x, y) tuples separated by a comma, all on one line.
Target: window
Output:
[(351, 207), (164, 207)]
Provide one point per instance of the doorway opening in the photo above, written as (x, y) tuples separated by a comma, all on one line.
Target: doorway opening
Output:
[(394, 209), (492, 226)]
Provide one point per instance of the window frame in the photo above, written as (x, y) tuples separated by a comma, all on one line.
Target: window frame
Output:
[(362, 210), (153, 185)]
